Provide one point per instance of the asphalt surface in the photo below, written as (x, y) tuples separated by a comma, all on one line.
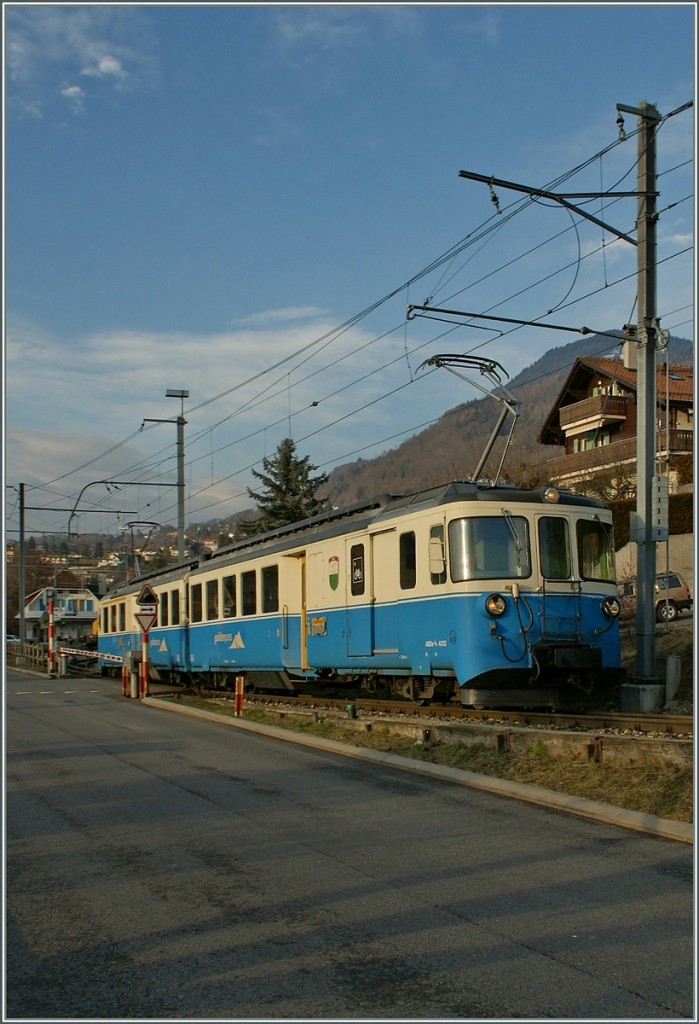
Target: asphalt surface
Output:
[(161, 866)]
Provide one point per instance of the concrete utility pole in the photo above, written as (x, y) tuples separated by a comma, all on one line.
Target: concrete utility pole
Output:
[(181, 421), (22, 578), (645, 693)]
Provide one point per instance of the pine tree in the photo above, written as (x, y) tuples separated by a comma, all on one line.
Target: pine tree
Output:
[(289, 493)]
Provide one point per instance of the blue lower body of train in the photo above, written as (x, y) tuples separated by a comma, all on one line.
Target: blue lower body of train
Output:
[(542, 651)]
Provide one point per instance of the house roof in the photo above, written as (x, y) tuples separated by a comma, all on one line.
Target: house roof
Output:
[(675, 380), (679, 377)]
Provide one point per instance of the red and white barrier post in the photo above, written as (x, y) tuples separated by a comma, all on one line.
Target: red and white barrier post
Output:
[(143, 668), (239, 687), (51, 667)]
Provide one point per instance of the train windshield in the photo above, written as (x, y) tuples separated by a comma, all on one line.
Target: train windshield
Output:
[(554, 548), (489, 547), (595, 550)]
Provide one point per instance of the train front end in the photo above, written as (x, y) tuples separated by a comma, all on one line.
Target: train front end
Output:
[(543, 603)]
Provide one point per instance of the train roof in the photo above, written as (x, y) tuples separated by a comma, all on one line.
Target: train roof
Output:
[(335, 521), (387, 506)]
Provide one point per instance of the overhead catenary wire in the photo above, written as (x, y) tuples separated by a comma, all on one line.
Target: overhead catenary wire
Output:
[(581, 298), (478, 237)]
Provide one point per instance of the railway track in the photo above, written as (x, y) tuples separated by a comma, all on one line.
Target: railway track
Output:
[(605, 721)]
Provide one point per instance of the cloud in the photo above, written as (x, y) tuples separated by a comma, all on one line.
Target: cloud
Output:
[(318, 28), (303, 35), (486, 24), (75, 97), (274, 128), (105, 67), (47, 47), (286, 313), (82, 409)]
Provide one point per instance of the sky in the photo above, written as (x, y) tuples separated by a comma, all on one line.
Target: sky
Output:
[(242, 201)]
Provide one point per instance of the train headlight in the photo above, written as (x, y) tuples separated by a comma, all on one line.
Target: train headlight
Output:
[(495, 605), (611, 607), (551, 494)]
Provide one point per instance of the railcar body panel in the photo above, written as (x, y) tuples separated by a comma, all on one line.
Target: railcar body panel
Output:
[(493, 588)]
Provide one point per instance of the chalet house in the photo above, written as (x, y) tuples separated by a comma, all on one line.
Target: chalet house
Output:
[(594, 419), (75, 611)]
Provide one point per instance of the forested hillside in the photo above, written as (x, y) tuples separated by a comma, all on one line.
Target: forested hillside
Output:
[(452, 447)]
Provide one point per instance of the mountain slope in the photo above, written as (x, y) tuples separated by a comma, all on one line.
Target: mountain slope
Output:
[(452, 447)]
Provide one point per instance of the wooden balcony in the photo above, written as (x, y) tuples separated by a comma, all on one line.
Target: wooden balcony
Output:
[(581, 464), (593, 412), (681, 442)]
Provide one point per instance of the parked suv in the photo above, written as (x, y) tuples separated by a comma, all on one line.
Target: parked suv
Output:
[(672, 595)]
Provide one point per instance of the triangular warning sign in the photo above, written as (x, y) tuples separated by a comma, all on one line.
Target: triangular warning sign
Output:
[(146, 619), (147, 596)]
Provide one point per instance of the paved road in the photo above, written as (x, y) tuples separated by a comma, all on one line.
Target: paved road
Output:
[(164, 867)]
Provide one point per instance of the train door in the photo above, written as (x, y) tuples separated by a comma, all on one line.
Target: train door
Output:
[(384, 563), (359, 607), (561, 591), (293, 608)]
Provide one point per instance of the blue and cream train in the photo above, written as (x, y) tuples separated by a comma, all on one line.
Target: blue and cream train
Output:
[(489, 595)]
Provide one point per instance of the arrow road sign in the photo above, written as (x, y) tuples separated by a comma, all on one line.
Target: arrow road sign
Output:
[(146, 619)]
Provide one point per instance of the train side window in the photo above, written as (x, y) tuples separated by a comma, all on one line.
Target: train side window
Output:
[(554, 547), (122, 617), (211, 600), (195, 605), (105, 620), (175, 607), (164, 608), (270, 588), (228, 586), (438, 563), (248, 586), (113, 619), (408, 574), (357, 569)]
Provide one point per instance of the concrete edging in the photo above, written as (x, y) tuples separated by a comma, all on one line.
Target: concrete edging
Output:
[(682, 831)]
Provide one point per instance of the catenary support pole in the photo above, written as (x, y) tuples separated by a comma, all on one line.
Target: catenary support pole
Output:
[(645, 692)]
